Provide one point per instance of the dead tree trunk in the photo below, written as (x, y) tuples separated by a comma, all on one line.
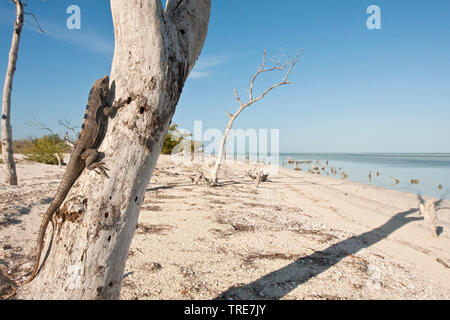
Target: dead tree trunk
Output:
[(428, 211), (56, 155), (7, 144), (289, 65), (155, 50)]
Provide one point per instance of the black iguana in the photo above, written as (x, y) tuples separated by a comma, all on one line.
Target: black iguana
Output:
[(84, 155)]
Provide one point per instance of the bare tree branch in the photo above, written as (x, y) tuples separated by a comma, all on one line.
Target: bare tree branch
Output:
[(41, 126), (256, 75), (237, 96), (289, 65), (68, 125), (36, 20)]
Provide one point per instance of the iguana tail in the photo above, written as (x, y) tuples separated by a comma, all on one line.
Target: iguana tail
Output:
[(68, 180), (40, 244)]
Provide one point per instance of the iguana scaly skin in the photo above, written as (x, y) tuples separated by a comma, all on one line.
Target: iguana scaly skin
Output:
[(85, 155)]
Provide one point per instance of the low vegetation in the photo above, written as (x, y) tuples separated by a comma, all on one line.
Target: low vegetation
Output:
[(173, 138), (176, 138), (44, 149), (20, 146)]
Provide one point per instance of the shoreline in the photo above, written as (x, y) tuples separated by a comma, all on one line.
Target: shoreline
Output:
[(303, 173), (424, 174), (299, 236)]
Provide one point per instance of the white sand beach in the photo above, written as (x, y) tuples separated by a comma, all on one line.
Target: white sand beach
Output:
[(298, 236)]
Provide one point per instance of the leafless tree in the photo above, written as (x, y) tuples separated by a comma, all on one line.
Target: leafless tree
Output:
[(288, 65), (7, 145), (7, 141)]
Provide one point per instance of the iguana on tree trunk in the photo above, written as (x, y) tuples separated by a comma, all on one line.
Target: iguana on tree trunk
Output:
[(84, 155)]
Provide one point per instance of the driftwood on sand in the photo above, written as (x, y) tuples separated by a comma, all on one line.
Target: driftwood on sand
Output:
[(257, 175), (428, 211)]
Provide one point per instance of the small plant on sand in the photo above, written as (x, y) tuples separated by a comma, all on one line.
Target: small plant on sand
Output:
[(174, 137), (43, 149)]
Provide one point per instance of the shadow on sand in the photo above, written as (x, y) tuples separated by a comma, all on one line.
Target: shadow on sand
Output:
[(172, 186), (279, 283)]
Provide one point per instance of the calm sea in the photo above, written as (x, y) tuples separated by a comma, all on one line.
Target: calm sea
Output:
[(431, 170)]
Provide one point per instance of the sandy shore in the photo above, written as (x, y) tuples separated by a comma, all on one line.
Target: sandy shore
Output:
[(299, 236)]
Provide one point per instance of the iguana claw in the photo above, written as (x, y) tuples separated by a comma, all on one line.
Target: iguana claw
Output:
[(102, 169)]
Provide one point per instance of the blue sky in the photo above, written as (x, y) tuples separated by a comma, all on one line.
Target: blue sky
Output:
[(354, 89)]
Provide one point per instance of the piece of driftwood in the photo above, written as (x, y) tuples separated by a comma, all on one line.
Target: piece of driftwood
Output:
[(258, 179), (200, 179), (396, 181), (257, 175), (428, 211), (56, 155)]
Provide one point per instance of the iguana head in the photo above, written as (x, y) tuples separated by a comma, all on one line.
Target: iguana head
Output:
[(98, 94), (103, 85), (98, 97)]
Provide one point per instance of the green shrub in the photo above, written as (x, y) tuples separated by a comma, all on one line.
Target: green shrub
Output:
[(196, 146), (42, 150), (173, 137)]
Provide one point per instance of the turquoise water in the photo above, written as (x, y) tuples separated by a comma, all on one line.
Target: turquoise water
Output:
[(431, 170)]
